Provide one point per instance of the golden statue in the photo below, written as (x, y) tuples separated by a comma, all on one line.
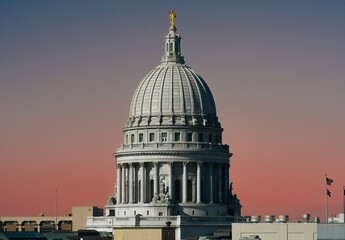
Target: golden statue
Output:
[(172, 18)]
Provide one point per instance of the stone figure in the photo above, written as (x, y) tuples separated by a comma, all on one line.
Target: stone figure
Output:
[(172, 18), (111, 200), (162, 186), (155, 198)]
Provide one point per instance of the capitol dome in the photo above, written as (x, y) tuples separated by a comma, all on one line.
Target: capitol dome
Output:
[(172, 168), (172, 90), (172, 93)]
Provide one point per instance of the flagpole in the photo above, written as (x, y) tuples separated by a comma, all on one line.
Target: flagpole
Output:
[(56, 206), (326, 201), (344, 200)]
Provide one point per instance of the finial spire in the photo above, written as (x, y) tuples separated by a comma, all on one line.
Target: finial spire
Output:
[(172, 19), (172, 43)]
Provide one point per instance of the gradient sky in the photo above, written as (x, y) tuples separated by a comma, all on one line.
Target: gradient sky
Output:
[(68, 70)]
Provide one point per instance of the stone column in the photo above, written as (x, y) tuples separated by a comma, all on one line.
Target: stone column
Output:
[(170, 179), (155, 180), (220, 184), (142, 183), (130, 183), (118, 184), (184, 183), (127, 184), (198, 183), (123, 183), (227, 166), (211, 182)]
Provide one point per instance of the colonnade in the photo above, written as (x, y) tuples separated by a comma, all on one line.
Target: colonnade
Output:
[(132, 185)]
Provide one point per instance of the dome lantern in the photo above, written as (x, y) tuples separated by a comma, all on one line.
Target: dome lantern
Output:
[(172, 44)]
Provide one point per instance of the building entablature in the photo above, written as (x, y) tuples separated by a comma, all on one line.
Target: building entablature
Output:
[(172, 148)]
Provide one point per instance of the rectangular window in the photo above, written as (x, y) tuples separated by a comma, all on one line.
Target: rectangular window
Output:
[(152, 137), (126, 139), (141, 137), (132, 138), (177, 137), (164, 137), (189, 137), (210, 138), (201, 137)]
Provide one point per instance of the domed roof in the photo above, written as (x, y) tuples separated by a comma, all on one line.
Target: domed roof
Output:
[(172, 90)]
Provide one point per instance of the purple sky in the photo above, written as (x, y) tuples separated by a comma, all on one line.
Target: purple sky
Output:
[(68, 70)]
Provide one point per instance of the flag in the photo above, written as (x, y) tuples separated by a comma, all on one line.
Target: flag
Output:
[(328, 193), (329, 181)]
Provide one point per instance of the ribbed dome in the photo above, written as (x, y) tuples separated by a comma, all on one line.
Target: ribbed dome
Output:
[(172, 93), (172, 90)]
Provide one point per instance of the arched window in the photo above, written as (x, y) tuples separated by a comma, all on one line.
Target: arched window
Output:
[(177, 190), (189, 190)]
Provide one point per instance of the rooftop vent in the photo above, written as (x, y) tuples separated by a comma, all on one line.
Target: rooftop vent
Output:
[(255, 219), (306, 217), (283, 218), (269, 218)]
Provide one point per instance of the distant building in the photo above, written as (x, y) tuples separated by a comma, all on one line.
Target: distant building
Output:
[(338, 219), (74, 222), (288, 231)]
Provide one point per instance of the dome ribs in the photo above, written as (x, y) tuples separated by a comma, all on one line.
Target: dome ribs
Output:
[(145, 96), (191, 92), (182, 96), (138, 90), (194, 79), (177, 92), (151, 97), (172, 90), (161, 92), (207, 95), (172, 94)]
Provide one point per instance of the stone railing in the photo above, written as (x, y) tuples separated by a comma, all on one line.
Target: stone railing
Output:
[(180, 146)]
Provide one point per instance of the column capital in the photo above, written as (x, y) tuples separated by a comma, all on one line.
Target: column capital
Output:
[(155, 164), (170, 163), (199, 163), (185, 164), (142, 164), (130, 165)]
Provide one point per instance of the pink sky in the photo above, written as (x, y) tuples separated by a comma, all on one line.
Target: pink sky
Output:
[(68, 72)]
